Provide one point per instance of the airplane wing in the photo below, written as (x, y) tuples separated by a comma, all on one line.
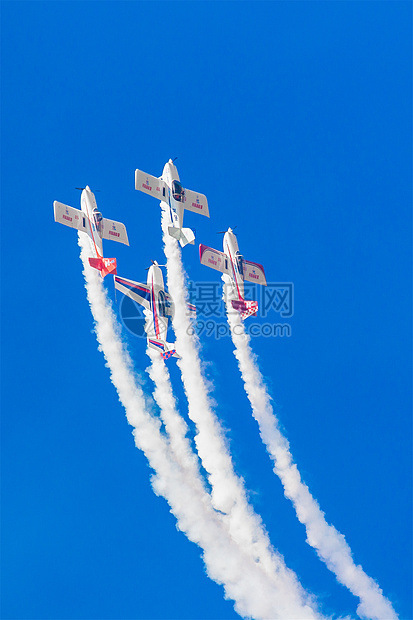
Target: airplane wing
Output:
[(254, 272), (191, 310), (69, 216), (140, 293), (214, 259), (195, 202), (115, 231), (151, 185)]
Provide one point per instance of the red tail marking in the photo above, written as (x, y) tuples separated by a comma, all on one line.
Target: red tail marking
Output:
[(245, 308), (104, 265)]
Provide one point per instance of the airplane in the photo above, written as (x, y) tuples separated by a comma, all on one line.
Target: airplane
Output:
[(232, 263), (90, 221), (169, 190), (153, 297)]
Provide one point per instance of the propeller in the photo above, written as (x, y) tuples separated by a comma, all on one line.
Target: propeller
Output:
[(82, 188), (154, 263), (222, 232), (174, 159)]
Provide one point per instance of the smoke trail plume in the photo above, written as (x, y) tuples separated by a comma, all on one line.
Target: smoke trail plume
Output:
[(175, 425), (254, 593), (227, 489), (329, 544)]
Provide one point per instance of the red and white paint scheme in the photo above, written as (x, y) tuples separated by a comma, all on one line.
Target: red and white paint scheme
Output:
[(232, 263), (175, 199), (90, 221), (159, 305)]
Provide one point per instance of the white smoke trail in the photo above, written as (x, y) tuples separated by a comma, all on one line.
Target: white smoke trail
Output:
[(177, 429), (175, 425), (227, 490), (253, 592), (329, 544)]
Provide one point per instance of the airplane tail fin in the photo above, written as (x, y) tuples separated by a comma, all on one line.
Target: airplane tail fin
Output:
[(245, 308), (183, 235), (170, 353), (104, 265), (166, 349)]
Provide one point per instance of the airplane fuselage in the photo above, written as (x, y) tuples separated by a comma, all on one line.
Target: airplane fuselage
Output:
[(158, 308), (158, 325), (89, 221), (92, 220), (175, 198), (234, 262)]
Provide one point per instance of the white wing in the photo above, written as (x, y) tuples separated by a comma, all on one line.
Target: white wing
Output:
[(151, 185), (69, 216), (191, 310), (214, 259), (115, 231), (135, 290), (195, 202), (254, 272)]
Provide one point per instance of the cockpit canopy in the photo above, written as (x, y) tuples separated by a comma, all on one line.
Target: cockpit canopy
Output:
[(162, 303), (98, 217), (178, 191), (239, 260)]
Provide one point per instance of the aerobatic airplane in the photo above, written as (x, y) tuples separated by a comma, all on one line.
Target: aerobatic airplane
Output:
[(233, 264), (169, 190), (90, 221), (153, 297)]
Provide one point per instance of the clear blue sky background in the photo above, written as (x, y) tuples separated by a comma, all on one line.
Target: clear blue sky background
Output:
[(294, 118)]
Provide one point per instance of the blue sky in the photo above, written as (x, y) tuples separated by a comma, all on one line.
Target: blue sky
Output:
[(295, 120)]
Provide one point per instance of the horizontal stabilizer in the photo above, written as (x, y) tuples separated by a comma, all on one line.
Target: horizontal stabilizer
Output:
[(174, 232), (187, 236), (104, 265), (245, 308), (183, 235), (166, 349)]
